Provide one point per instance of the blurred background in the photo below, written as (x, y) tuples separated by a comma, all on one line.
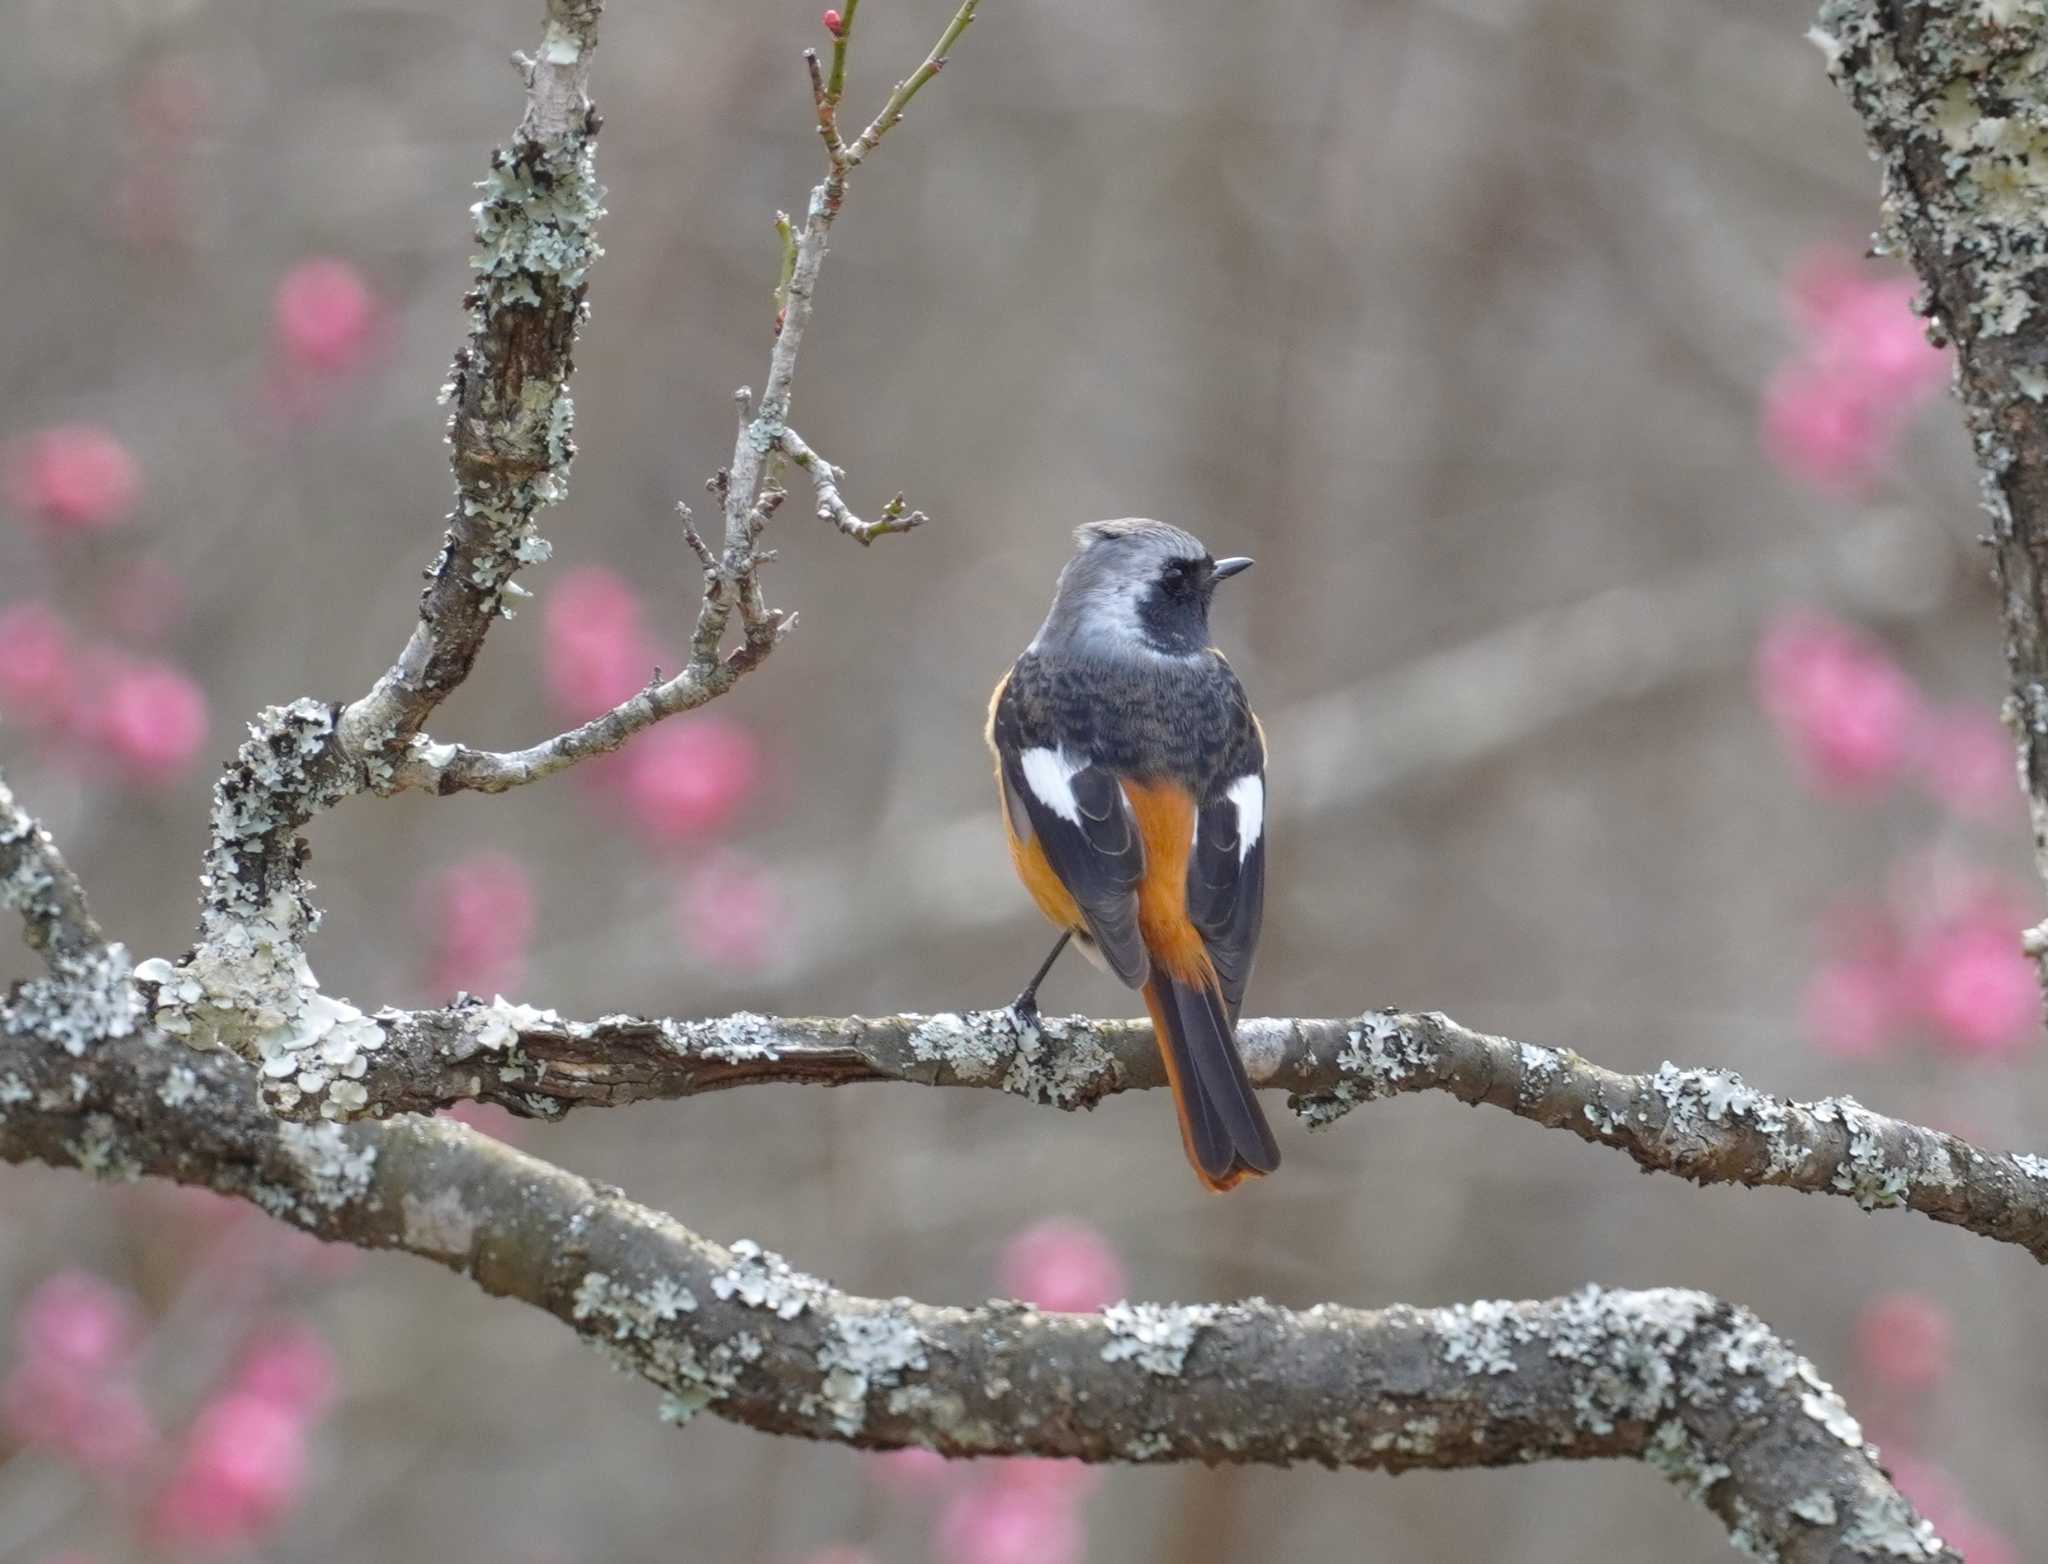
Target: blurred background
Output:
[(1629, 665)]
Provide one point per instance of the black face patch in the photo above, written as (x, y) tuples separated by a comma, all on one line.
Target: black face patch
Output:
[(1173, 613)]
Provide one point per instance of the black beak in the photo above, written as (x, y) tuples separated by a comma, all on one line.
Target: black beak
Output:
[(1226, 568)]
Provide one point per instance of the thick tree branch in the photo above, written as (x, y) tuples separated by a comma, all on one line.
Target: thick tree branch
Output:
[(1701, 1390), (1708, 1126), (1952, 98)]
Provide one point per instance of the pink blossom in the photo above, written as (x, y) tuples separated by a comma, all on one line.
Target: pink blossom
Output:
[(1976, 988), (997, 1523), (74, 477), (1967, 763), (1902, 1341), (38, 683), (1853, 1008), (479, 916), (687, 778), (290, 1366), (1059, 1479), (596, 650), (241, 1471), (1821, 426), (94, 1418), (1062, 1264), (912, 1470), (325, 316), (486, 1118), (1847, 712), (1979, 1542), (729, 911), (78, 1320), (150, 720)]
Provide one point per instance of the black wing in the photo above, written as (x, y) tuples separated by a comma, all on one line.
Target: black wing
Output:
[(1081, 821), (1227, 882)]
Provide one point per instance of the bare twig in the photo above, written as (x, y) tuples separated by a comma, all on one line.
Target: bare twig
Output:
[(1949, 93), (1702, 1391), (826, 478), (1708, 1126)]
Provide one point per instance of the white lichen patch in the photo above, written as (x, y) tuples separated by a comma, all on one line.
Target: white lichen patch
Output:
[(762, 1279), (632, 1312), (98, 1152), (2031, 1165), (14, 1091), (440, 1223), (1380, 1052), (976, 1054), (1683, 1460), (1056, 1065), (1157, 1337), (1866, 1174), (88, 998), (1816, 1508), (180, 1086), (333, 1171), (1481, 1337), (1884, 1526), (740, 1038), (868, 1350), (497, 1026)]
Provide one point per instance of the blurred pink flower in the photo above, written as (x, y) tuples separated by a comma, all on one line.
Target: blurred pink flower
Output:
[(1968, 763), (479, 917), (1852, 1007), (1980, 1543), (913, 1470), (38, 666), (76, 1319), (73, 477), (596, 650), (1975, 986), (688, 777), (1061, 1264), (1844, 709), (149, 719), (241, 1471), (1833, 411), (290, 1366), (69, 1388), (1821, 426), (325, 316), (486, 1118), (997, 1523), (1056, 1479), (1902, 1341), (729, 911)]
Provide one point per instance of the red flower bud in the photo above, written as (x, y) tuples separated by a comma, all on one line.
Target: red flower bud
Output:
[(832, 22)]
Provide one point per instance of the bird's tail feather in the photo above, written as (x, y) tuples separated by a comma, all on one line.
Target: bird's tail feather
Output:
[(1225, 1134)]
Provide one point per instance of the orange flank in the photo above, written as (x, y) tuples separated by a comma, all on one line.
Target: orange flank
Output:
[(1165, 813)]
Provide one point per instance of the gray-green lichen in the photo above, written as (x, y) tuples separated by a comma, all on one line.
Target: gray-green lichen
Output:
[(89, 997), (762, 1279), (868, 1350), (1156, 1337), (333, 1170), (1379, 1053), (1482, 1337)]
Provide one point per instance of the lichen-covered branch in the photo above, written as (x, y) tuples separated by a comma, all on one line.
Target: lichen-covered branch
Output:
[(1702, 1391), (1708, 1126), (826, 478), (88, 995), (1953, 100), (511, 420)]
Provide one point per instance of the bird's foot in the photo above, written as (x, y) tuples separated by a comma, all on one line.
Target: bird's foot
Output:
[(1024, 1011)]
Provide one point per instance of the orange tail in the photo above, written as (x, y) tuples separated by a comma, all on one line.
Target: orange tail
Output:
[(1224, 1133)]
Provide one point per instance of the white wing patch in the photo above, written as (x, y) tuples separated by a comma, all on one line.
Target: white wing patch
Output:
[(1249, 795), (1050, 776)]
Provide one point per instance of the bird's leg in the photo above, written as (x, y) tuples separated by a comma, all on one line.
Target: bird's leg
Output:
[(1025, 1005)]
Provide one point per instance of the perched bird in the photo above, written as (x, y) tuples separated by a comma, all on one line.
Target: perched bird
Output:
[(1132, 775)]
